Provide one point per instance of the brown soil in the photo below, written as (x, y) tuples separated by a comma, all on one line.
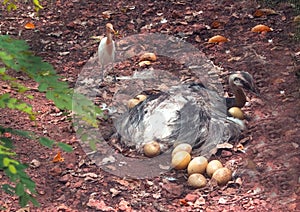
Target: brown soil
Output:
[(267, 170)]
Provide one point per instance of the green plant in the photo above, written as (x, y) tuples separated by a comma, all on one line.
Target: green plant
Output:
[(16, 56), (12, 4)]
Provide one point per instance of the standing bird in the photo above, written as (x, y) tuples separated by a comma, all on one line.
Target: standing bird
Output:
[(186, 113), (106, 49)]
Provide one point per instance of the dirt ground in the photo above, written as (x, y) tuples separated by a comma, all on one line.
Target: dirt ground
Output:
[(266, 172)]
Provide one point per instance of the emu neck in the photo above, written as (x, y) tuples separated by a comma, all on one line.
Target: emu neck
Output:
[(240, 98)]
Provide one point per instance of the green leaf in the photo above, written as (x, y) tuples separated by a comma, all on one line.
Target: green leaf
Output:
[(20, 189), (30, 96), (8, 189), (34, 201), (24, 199), (65, 147), (12, 169), (6, 162), (46, 142), (22, 133), (29, 184), (92, 144), (2, 70)]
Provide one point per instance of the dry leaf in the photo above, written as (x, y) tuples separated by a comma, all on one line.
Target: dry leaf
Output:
[(183, 202), (297, 19), (261, 28), (217, 39), (58, 158), (216, 24), (264, 12), (225, 146), (29, 25), (240, 147), (198, 39), (107, 14)]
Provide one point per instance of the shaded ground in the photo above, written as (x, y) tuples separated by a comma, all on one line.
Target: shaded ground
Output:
[(269, 168)]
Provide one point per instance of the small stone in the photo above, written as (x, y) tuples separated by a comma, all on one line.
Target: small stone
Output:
[(78, 184), (191, 197), (55, 171), (35, 163), (64, 179)]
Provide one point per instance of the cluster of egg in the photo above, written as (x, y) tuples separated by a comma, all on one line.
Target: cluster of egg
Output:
[(198, 166), (181, 156)]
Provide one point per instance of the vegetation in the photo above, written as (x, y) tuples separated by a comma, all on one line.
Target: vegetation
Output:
[(16, 56)]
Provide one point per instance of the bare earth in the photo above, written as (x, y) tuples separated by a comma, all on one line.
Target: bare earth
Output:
[(266, 172)]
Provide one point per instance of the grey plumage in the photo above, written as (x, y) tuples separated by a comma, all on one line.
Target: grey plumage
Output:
[(186, 113)]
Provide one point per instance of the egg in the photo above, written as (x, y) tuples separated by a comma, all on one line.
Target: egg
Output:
[(132, 103), (222, 175), (141, 97), (144, 63), (148, 56), (181, 160), (213, 166), (197, 180), (182, 147), (197, 165), (236, 112), (152, 149)]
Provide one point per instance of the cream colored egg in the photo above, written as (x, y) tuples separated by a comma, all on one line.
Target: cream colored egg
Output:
[(213, 166), (181, 160), (141, 97), (148, 56), (132, 103), (197, 165), (144, 63), (222, 176), (236, 112), (197, 180), (152, 149), (182, 147)]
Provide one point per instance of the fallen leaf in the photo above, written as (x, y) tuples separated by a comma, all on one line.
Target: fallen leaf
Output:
[(264, 12), (124, 206), (27, 209), (114, 192), (216, 24), (240, 147), (222, 200), (217, 39), (58, 158), (225, 146), (29, 25), (35, 163), (198, 39), (183, 202), (261, 28), (297, 19), (107, 14), (99, 205)]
